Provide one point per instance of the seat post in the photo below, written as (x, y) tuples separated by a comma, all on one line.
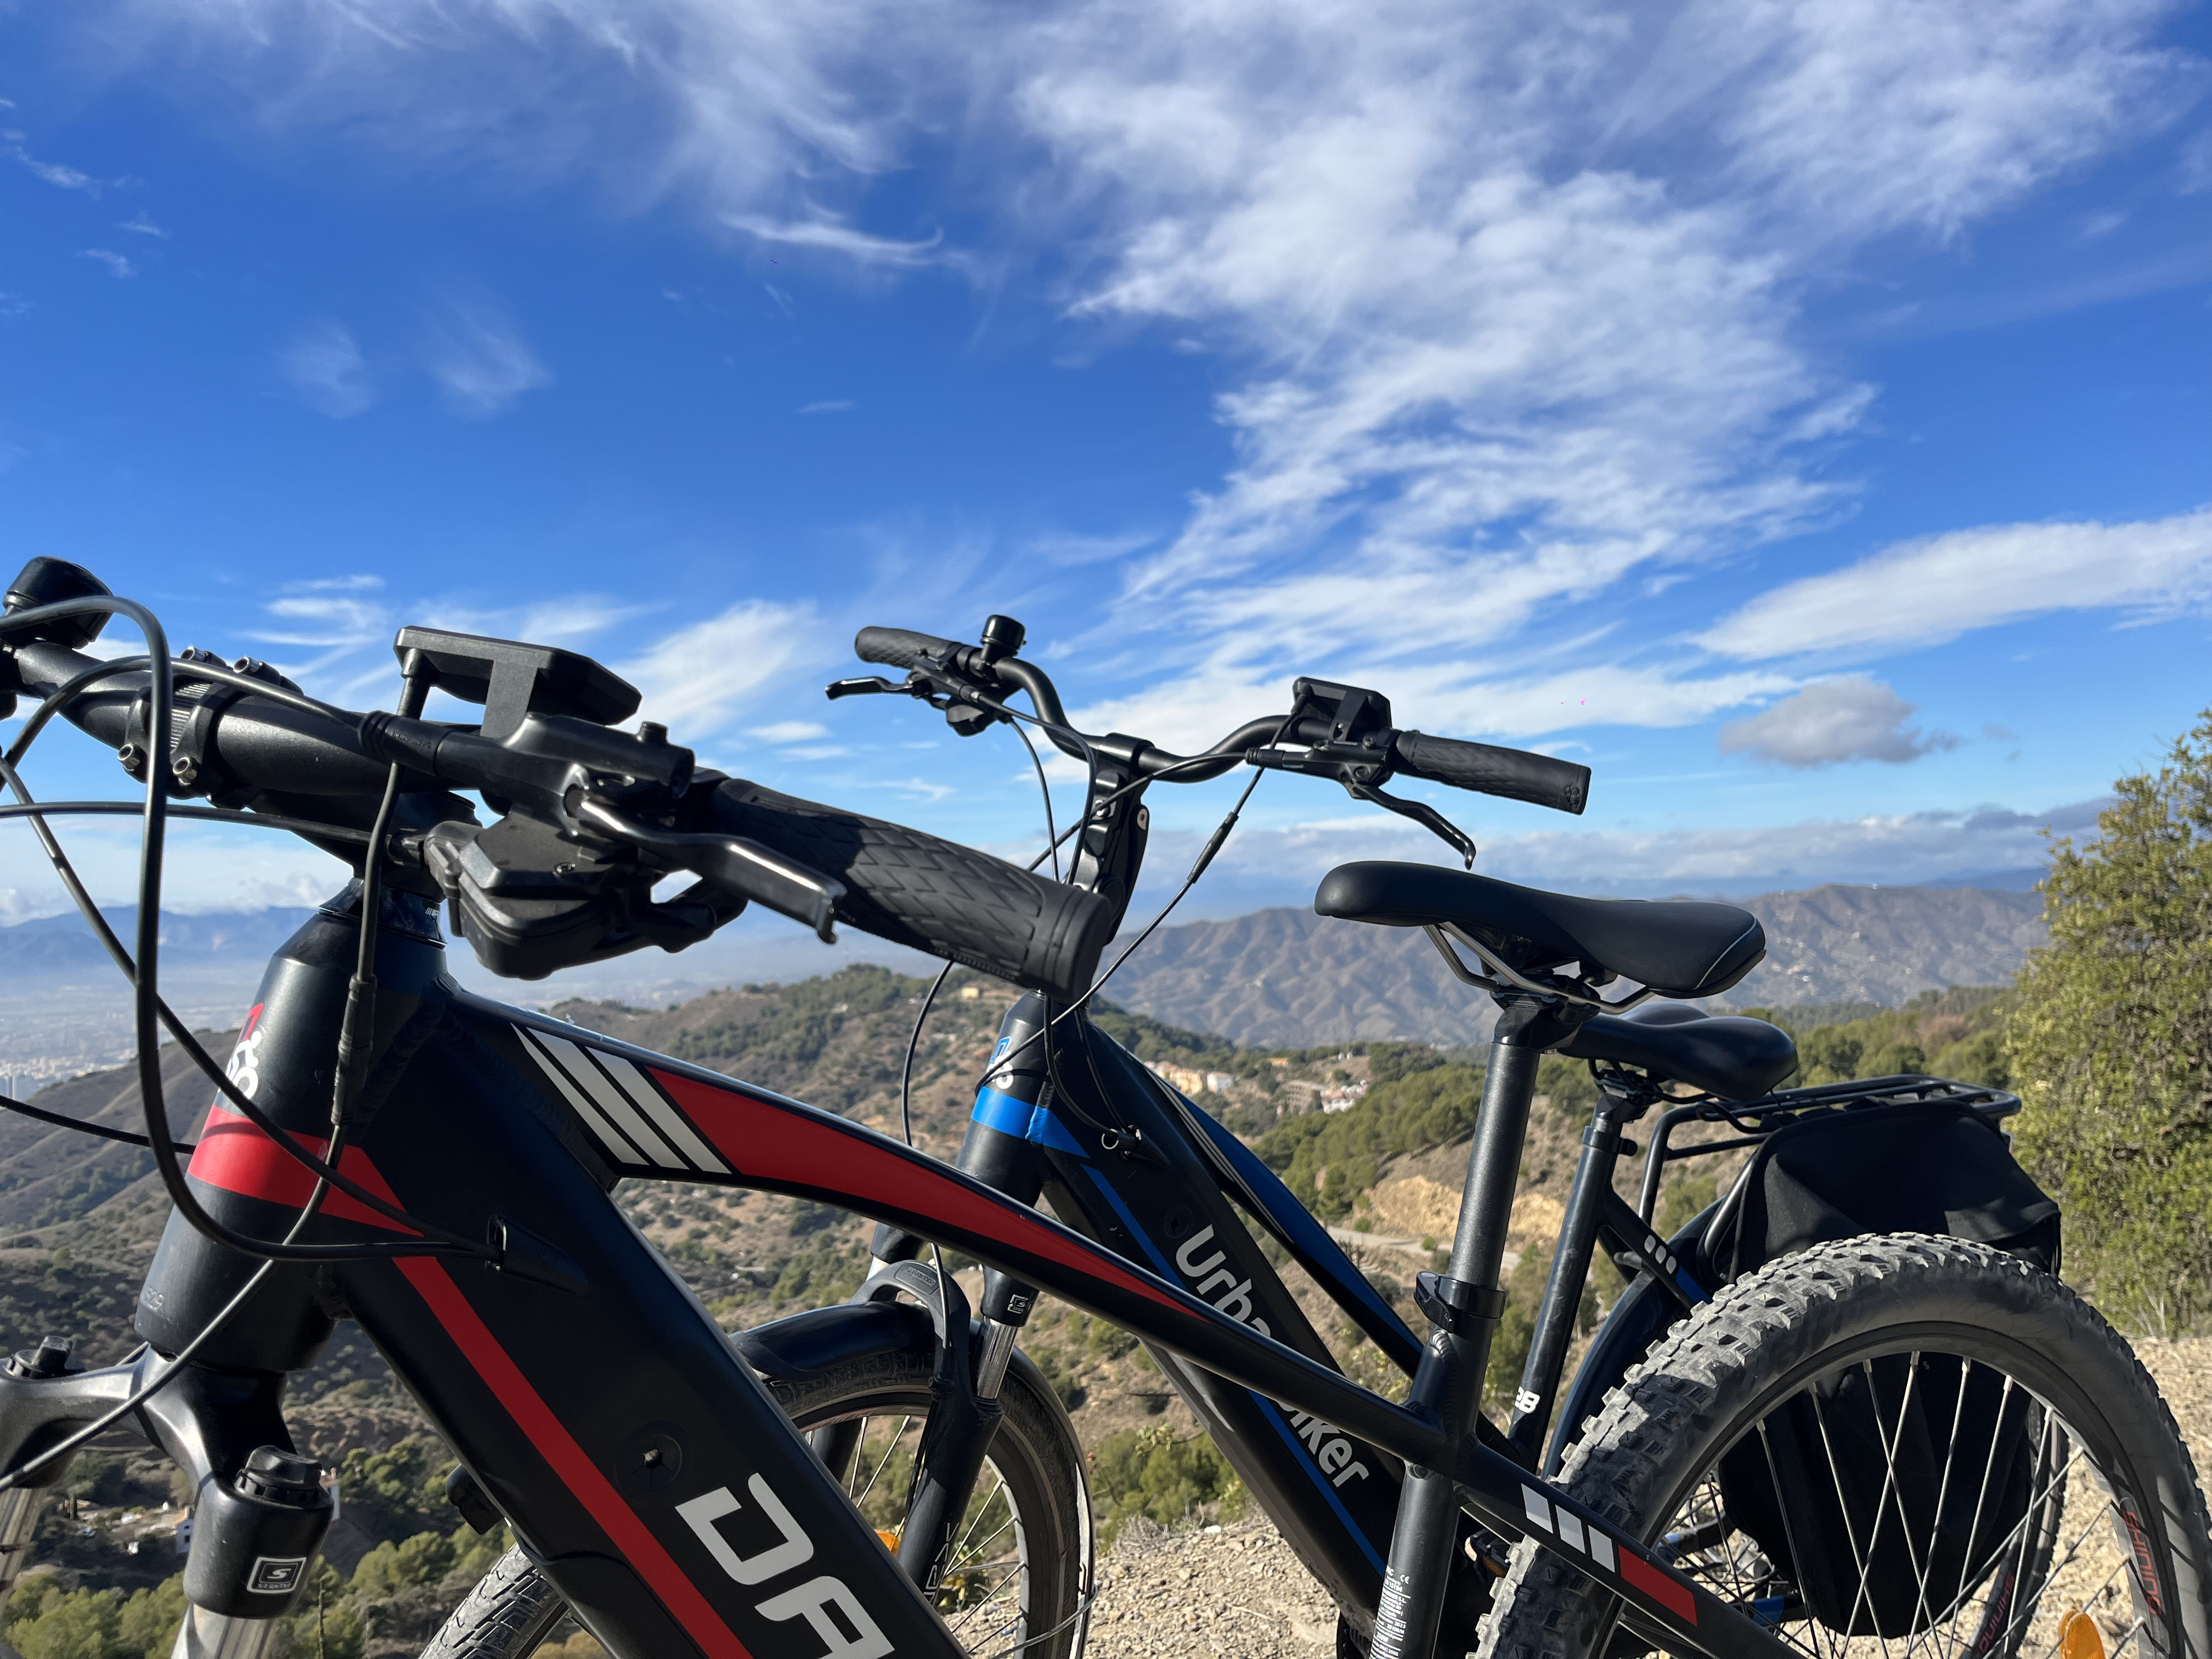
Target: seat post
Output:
[(1493, 1160), (1465, 1303)]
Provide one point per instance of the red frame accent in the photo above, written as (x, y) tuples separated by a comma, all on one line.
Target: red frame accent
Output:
[(761, 1138), (569, 1460), (234, 1155), (1641, 1575)]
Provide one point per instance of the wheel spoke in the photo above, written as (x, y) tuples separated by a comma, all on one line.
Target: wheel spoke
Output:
[(890, 1450), (1863, 1558)]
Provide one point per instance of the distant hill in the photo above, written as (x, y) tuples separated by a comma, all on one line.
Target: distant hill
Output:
[(229, 941), (1288, 976), (1282, 977)]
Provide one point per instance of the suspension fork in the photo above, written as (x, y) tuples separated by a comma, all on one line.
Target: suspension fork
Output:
[(964, 1385)]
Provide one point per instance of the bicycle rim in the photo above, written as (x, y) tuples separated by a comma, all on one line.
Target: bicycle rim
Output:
[(985, 1601)]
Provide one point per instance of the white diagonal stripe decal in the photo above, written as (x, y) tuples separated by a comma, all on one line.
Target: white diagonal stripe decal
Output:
[(612, 1101), (639, 1087), (535, 1047)]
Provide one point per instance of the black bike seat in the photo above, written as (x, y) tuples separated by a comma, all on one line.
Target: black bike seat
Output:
[(1735, 1059), (1679, 947)]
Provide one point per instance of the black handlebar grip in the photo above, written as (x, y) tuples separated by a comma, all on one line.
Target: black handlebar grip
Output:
[(934, 896), (900, 647), (1515, 773)]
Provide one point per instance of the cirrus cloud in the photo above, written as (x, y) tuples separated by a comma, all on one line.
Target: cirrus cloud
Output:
[(1925, 592)]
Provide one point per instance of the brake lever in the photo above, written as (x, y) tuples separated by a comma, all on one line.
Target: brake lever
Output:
[(730, 862), (1421, 813), (1361, 770), (940, 688), (864, 685)]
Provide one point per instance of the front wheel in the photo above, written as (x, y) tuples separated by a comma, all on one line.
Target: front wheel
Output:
[(1890, 1446), (1018, 1584)]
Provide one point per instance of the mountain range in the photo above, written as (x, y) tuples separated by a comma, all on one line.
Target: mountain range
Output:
[(1288, 976), (1278, 976)]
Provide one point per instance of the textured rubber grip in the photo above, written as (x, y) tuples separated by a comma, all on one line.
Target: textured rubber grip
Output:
[(935, 895), (900, 647), (1513, 773)]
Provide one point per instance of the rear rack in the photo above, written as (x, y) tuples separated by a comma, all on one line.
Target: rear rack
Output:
[(1755, 1120)]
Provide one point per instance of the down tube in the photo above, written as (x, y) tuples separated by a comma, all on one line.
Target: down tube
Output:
[(1333, 1496), (638, 1459), (782, 1145)]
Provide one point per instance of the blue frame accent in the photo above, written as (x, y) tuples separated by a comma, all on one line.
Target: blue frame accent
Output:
[(1269, 1409), (1010, 1115), (1274, 1415), (1320, 1254)]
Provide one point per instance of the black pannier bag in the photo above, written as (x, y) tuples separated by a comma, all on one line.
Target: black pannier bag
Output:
[(1878, 1538)]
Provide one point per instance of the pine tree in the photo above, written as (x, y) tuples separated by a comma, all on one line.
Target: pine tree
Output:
[(2111, 1047)]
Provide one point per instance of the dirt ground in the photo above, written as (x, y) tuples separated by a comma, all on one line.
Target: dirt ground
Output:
[(1237, 1589)]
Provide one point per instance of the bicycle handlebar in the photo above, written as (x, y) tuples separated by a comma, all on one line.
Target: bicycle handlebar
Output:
[(901, 647), (591, 818), (1515, 773), (936, 895), (963, 670)]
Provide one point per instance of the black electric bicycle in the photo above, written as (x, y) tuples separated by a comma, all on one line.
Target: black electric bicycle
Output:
[(437, 1167)]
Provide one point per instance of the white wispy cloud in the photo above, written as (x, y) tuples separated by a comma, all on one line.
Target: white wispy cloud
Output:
[(1283, 865), (705, 678), (325, 621), (117, 266), (139, 224), (790, 731), (56, 173), (1924, 592), (481, 362), (1506, 299), (828, 234), (324, 366), (1519, 284), (1852, 718), (827, 406)]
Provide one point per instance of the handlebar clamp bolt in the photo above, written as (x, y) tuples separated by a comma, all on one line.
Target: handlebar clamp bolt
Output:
[(133, 759), (185, 770)]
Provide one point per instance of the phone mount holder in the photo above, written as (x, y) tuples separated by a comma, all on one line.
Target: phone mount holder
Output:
[(512, 680)]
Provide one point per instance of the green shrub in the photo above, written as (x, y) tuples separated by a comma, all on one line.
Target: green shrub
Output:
[(1150, 1473), (389, 1568), (2112, 1046)]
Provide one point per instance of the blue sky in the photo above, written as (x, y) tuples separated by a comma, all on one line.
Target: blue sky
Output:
[(1798, 413)]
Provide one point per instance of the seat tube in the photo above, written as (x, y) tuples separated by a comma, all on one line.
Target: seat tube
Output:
[(1449, 1379), (1563, 1291)]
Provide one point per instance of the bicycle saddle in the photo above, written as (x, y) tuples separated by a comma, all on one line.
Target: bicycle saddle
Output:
[(1733, 1058), (1679, 947)]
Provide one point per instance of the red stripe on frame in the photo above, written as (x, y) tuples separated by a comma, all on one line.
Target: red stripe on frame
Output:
[(235, 1155), (569, 1460), (760, 1137), (1641, 1575)]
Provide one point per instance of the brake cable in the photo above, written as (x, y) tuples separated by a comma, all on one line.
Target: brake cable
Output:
[(142, 967), (185, 1040), (1213, 846)]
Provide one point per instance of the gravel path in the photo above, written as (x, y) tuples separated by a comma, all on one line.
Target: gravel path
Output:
[(1238, 1590)]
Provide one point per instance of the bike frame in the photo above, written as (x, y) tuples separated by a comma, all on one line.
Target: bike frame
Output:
[(634, 1452), (1132, 1164)]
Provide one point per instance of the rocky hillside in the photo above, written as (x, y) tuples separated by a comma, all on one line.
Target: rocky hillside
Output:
[(1285, 976), (78, 1221)]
